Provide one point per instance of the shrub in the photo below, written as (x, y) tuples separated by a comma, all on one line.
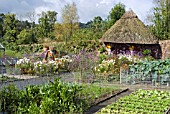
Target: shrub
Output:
[(146, 52), (11, 53)]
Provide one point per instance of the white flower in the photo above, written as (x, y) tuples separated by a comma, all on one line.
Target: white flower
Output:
[(23, 61)]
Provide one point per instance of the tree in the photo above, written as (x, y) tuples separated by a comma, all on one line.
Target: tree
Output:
[(20, 25), (161, 19), (1, 25), (25, 37), (46, 24), (59, 31), (115, 14), (9, 28), (97, 24), (69, 19)]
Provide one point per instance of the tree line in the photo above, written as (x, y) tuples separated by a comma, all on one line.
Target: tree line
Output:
[(15, 32)]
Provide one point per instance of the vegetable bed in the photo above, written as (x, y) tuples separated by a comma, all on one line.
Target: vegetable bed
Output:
[(51, 98), (94, 94), (155, 71), (140, 102)]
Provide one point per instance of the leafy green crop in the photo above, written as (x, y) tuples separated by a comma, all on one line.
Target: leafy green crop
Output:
[(90, 93), (157, 69), (54, 97), (140, 102)]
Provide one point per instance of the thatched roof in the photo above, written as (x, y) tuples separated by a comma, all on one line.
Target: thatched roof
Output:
[(129, 29)]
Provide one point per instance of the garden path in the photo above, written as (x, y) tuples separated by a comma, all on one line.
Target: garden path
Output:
[(101, 105), (25, 80)]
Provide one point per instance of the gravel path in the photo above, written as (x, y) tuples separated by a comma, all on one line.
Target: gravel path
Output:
[(34, 80)]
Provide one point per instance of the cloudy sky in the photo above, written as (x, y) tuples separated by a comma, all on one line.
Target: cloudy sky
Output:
[(87, 9)]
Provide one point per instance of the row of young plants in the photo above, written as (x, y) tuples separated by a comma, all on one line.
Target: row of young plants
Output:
[(156, 70), (140, 102), (54, 97)]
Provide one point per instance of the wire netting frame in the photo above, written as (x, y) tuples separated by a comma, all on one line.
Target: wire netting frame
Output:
[(126, 77)]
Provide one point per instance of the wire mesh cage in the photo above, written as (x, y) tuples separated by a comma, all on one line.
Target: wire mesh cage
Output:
[(153, 78)]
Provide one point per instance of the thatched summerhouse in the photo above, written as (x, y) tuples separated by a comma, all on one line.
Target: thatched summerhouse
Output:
[(129, 33)]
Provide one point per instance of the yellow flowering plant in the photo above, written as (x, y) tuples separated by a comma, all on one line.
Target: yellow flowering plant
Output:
[(131, 48), (108, 46)]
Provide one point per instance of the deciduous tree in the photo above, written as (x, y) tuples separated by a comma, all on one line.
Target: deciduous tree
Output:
[(1, 25), (69, 19), (9, 28), (115, 14), (46, 24), (161, 19)]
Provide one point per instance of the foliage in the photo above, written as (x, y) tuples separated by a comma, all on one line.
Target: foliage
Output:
[(110, 66), (25, 37), (46, 24), (16, 32), (78, 45), (25, 65), (20, 50), (70, 19), (105, 67), (115, 14), (161, 18), (1, 25), (54, 97), (146, 69), (139, 102), (9, 98), (91, 92), (146, 52), (38, 67), (10, 53), (9, 27), (102, 57), (83, 61), (59, 32), (86, 34), (98, 25), (102, 49)]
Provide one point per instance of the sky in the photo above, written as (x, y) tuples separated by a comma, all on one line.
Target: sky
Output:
[(87, 9)]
